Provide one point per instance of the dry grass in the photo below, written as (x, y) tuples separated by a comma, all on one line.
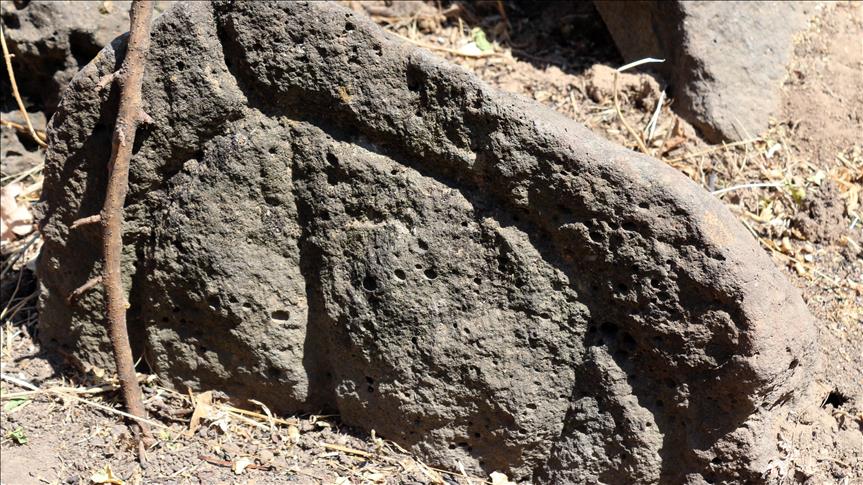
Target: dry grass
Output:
[(765, 180)]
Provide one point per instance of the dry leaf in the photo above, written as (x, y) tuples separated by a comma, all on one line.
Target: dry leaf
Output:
[(498, 478), (375, 477), (106, 475), (818, 178), (239, 466), (294, 434), (203, 406), (15, 219), (270, 418)]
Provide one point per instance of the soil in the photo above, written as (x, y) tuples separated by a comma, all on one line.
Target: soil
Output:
[(808, 219)]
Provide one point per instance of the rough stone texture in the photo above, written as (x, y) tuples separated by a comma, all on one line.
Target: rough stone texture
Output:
[(53, 40), (323, 217), (18, 150), (724, 61)]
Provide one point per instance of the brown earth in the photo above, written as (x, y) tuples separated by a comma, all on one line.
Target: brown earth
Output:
[(808, 220)]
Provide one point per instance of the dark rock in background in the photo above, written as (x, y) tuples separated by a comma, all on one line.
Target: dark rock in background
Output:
[(322, 217), (18, 150), (53, 40), (724, 61)]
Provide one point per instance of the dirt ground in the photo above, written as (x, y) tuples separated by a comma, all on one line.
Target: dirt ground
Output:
[(797, 187)]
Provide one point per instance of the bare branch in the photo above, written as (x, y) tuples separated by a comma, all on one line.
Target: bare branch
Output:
[(85, 220), (131, 75), (77, 292), (8, 58)]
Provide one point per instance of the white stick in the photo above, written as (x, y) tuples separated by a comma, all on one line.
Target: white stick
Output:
[(651, 127), (646, 60), (18, 382), (747, 186)]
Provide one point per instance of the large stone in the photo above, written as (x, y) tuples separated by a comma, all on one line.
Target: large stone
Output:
[(322, 217), (724, 61)]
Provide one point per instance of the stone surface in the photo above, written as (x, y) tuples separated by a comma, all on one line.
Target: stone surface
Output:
[(322, 217), (18, 150), (724, 61), (52, 40)]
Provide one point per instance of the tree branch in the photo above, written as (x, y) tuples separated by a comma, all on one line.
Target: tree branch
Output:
[(128, 118), (77, 292), (85, 220)]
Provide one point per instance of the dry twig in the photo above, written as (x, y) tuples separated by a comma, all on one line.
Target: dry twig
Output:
[(714, 149), (20, 127), (454, 52), (8, 58), (130, 78), (641, 145)]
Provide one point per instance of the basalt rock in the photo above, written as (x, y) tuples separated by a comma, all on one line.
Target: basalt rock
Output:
[(322, 217), (52, 40), (724, 61)]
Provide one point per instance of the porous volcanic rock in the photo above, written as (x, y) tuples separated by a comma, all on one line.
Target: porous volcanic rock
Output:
[(322, 217), (724, 61)]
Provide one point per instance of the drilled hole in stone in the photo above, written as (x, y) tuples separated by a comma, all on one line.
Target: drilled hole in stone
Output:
[(370, 283), (400, 274), (477, 280), (332, 159), (280, 315), (423, 245), (430, 273)]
